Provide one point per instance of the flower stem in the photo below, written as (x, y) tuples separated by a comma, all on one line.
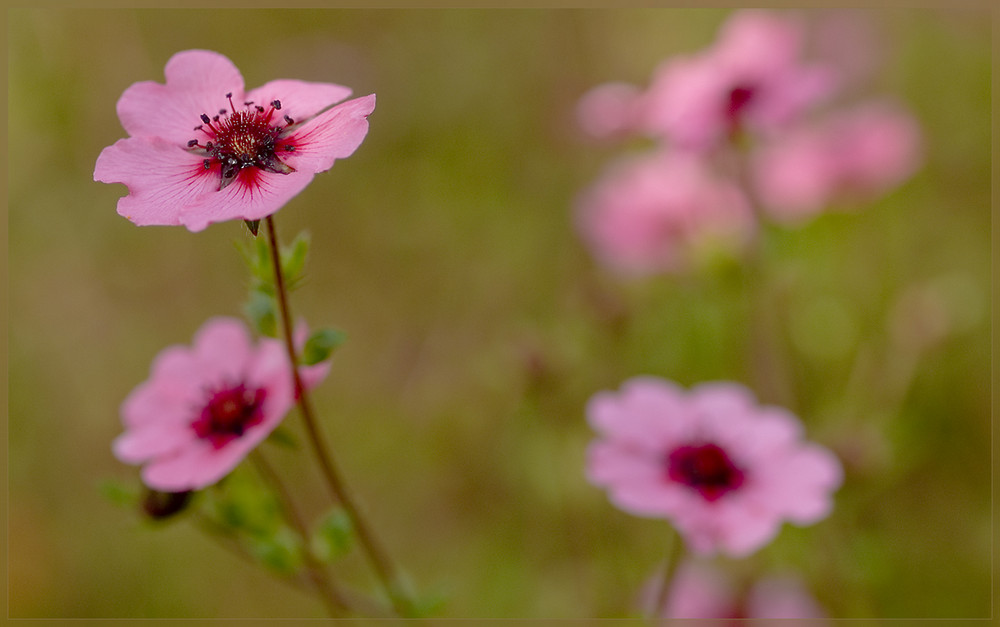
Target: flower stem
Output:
[(334, 600), (670, 563), (387, 573)]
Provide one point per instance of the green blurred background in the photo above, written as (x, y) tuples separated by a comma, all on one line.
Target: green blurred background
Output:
[(479, 326)]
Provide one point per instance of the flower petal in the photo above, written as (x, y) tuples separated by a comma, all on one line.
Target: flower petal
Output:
[(300, 100), (333, 134), (254, 194), (162, 178), (197, 82)]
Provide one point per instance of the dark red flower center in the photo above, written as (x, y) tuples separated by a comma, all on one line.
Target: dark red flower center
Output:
[(228, 412), (737, 101), (705, 468), (244, 139)]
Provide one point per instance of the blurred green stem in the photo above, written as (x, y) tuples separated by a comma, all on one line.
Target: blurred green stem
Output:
[(768, 357), (334, 600), (674, 555), (386, 571)]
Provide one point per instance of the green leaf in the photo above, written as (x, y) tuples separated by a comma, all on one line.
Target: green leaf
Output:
[(261, 311), (321, 345), (119, 492), (334, 536), (280, 551), (293, 259)]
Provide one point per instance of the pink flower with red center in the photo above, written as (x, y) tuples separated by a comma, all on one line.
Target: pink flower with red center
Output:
[(854, 155), (203, 150), (724, 470), (660, 213), (702, 591), (752, 79), (205, 407)]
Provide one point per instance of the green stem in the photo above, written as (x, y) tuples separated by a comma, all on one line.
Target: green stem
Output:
[(674, 555), (380, 562), (335, 602)]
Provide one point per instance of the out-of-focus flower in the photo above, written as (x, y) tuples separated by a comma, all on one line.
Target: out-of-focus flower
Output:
[(202, 150), (658, 212), (850, 156), (701, 591), (609, 110), (752, 79), (724, 470), (204, 408)]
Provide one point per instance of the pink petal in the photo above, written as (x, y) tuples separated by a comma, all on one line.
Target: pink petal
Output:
[(255, 194), (333, 134), (300, 100), (222, 347), (152, 439), (162, 178), (197, 83)]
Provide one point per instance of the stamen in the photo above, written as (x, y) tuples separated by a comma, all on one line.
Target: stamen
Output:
[(289, 120), (192, 143), (276, 104)]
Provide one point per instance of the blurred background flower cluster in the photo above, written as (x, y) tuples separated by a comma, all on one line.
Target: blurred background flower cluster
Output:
[(479, 322)]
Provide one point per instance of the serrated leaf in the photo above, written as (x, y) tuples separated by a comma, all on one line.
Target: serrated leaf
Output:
[(293, 258), (321, 345), (333, 537)]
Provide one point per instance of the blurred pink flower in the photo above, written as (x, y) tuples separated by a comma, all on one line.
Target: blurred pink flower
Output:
[(657, 212), (725, 471), (201, 150), (850, 156), (204, 408), (752, 79), (609, 110), (700, 590)]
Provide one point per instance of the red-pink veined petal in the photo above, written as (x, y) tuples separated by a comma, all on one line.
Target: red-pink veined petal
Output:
[(334, 134), (255, 194), (162, 178), (197, 83), (300, 100)]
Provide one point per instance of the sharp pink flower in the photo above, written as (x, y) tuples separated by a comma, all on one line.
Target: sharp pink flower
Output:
[(701, 591), (658, 212), (725, 471), (854, 155), (753, 78), (203, 150), (204, 408)]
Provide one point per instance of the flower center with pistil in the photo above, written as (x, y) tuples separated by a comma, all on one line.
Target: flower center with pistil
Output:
[(243, 139), (705, 468), (228, 412)]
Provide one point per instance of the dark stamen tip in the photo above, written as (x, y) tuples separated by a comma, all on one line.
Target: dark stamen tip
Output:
[(229, 95), (289, 120), (192, 143), (205, 119), (276, 104), (222, 112)]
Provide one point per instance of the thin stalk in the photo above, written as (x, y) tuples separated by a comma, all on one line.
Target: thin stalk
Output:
[(768, 359), (380, 562), (335, 602), (670, 563)]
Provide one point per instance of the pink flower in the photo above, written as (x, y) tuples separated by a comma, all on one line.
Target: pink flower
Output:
[(202, 150), (752, 79), (724, 470), (851, 156), (700, 590), (658, 212), (609, 110), (205, 407)]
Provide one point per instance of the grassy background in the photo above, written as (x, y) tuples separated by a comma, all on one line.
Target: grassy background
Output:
[(478, 325)]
